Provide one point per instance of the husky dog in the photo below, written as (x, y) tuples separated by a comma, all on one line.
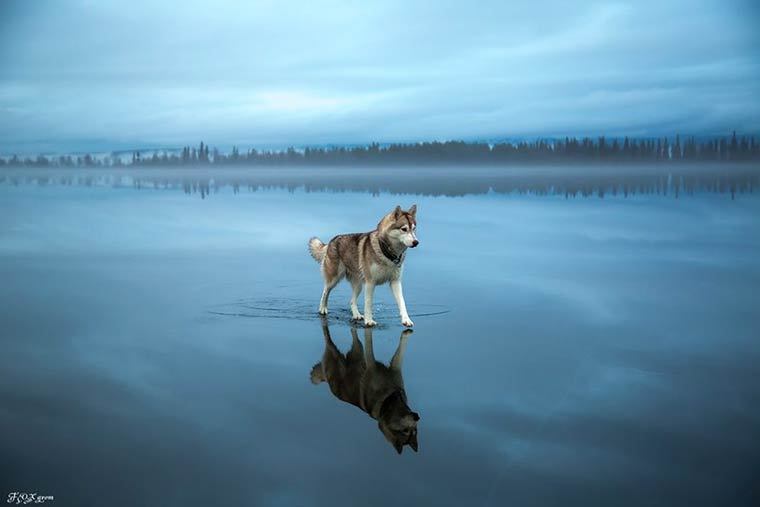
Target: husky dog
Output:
[(377, 389), (369, 258)]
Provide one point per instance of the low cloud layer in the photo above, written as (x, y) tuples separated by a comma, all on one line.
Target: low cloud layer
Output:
[(82, 74)]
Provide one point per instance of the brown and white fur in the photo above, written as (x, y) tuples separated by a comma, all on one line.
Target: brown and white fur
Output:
[(369, 259), (378, 389)]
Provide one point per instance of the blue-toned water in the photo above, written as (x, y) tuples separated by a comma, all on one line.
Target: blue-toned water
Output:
[(157, 348)]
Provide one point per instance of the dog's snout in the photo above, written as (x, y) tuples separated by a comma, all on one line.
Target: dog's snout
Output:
[(415, 243)]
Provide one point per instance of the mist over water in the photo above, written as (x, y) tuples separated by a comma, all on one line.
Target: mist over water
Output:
[(569, 180), (158, 346)]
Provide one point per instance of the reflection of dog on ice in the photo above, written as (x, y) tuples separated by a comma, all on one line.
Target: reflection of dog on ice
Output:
[(357, 378)]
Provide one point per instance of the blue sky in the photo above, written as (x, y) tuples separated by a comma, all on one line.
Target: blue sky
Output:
[(90, 75)]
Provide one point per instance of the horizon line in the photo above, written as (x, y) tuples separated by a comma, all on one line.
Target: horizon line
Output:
[(281, 147)]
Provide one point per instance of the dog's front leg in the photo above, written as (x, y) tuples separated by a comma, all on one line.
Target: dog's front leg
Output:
[(398, 293), (369, 349), (398, 357), (369, 293)]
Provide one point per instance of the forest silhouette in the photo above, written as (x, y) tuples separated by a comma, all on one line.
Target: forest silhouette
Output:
[(568, 150)]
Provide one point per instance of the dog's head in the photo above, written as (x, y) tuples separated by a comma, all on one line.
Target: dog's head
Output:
[(400, 226), (399, 425)]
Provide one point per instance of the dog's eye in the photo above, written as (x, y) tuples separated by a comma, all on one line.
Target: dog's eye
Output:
[(404, 228)]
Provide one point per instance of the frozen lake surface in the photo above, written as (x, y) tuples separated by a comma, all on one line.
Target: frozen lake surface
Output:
[(157, 347)]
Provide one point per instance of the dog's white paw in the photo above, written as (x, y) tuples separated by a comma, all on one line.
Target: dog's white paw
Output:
[(370, 322), (407, 322), (357, 316), (323, 311)]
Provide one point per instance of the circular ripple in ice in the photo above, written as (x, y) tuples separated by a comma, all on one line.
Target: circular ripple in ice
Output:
[(298, 309)]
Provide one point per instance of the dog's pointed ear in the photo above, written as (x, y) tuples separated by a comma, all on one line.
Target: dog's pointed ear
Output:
[(398, 446), (413, 210), (397, 212), (413, 442)]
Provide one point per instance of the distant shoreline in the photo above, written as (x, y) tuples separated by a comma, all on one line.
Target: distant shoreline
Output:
[(567, 151)]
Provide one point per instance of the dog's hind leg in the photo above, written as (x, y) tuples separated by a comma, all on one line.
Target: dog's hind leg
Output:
[(332, 273), (326, 331), (326, 294), (318, 371), (356, 288)]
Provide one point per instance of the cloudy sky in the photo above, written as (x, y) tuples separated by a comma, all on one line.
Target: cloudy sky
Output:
[(77, 74)]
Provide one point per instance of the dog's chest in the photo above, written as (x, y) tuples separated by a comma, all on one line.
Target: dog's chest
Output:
[(383, 272)]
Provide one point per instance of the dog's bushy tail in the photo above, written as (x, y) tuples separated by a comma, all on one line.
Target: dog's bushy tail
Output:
[(317, 249), (317, 374)]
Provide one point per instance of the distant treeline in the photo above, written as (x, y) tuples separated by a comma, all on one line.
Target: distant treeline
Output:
[(567, 150)]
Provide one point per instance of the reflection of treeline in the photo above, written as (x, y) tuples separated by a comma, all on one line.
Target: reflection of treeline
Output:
[(568, 180), (586, 150)]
